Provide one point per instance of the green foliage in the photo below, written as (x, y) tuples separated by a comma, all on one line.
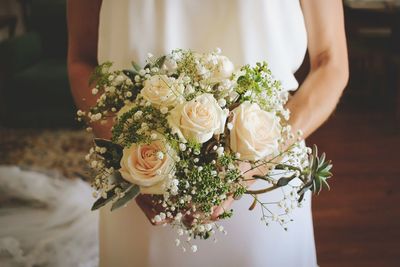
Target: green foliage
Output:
[(128, 195), (100, 74), (316, 175), (125, 131), (226, 214), (258, 85), (113, 153)]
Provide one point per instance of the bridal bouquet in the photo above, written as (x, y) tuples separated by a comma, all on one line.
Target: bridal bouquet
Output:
[(185, 125)]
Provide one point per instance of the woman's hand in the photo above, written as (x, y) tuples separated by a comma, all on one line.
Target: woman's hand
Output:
[(146, 203), (248, 173)]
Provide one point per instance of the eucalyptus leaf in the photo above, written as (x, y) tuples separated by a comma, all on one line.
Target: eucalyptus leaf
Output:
[(100, 202), (130, 193), (135, 66), (160, 62), (131, 74), (285, 180)]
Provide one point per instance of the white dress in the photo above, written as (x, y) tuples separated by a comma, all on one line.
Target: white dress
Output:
[(247, 31)]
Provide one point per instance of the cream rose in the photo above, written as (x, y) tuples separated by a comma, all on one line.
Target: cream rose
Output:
[(147, 165), (255, 132), (162, 90), (198, 119)]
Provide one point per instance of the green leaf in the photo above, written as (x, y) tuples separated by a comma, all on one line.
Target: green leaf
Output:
[(120, 182), (130, 193), (285, 180), (131, 74), (160, 62), (113, 154), (100, 202), (135, 66)]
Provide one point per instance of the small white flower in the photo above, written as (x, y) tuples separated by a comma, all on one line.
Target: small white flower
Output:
[(153, 136), (95, 91), (178, 216), (194, 248), (208, 227), (201, 228), (182, 146), (144, 126), (221, 102), (177, 242), (110, 78), (128, 82), (120, 79), (164, 110), (93, 164), (189, 89), (157, 218), (229, 125), (162, 216), (220, 151), (142, 72), (220, 228), (160, 155)]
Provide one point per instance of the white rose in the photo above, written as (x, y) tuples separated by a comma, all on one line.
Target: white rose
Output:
[(255, 132), (162, 90), (142, 165), (198, 119), (223, 70)]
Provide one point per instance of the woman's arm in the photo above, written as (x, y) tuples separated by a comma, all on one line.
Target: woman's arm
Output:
[(318, 96), (83, 24)]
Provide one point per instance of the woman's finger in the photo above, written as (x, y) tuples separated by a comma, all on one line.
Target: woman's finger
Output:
[(222, 208)]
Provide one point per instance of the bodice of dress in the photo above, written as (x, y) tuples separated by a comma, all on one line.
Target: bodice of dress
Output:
[(247, 31)]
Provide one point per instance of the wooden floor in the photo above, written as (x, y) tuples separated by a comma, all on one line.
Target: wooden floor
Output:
[(357, 223)]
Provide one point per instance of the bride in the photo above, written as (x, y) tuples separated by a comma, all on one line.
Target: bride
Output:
[(278, 31)]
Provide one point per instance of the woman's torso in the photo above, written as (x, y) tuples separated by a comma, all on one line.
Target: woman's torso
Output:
[(247, 31)]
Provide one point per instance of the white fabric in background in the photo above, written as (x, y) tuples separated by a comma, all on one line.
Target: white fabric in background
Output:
[(247, 31), (46, 220)]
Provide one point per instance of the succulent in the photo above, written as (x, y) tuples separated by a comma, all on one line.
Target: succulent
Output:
[(316, 175)]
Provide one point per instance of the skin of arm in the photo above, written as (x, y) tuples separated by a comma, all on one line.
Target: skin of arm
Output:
[(318, 96), (83, 24)]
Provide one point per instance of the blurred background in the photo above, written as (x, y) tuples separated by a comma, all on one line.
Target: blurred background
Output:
[(357, 223)]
